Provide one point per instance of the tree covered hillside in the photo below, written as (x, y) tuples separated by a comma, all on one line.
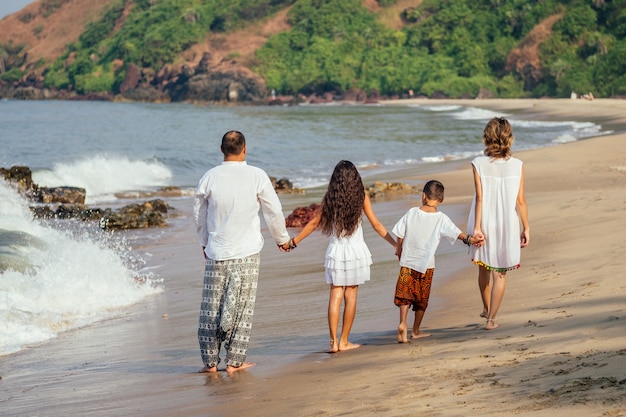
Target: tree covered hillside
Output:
[(451, 48), (514, 48)]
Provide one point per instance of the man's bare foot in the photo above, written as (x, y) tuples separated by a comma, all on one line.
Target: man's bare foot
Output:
[(245, 365), (207, 369), (420, 335), (402, 334), (349, 346), (491, 324)]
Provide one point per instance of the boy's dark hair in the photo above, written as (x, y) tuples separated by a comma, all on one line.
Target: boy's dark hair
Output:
[(233, 142), (434, 190)]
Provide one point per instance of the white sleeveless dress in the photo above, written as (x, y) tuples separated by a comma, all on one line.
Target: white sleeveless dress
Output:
[(500, 179), (348, 259)]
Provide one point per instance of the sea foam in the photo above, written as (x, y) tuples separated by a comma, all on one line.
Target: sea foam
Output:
[(64, 279), (102, 176)]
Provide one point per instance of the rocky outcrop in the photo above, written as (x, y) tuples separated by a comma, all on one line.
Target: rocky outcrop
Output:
[(300, 216), (381, 189), (225, 83), (69, 203), (284, 186), (136, 216), (66, 195)]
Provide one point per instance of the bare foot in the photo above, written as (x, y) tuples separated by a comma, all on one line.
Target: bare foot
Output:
[(349, 346), (207, 369), (483, 314), (420, 335), (334, 347), (491, 324), (402, 334), (245, 365)]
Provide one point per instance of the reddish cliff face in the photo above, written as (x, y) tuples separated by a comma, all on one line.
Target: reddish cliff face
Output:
[(45, 27)]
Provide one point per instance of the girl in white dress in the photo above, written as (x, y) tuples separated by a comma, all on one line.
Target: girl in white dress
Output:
[(497, 209), (348, 259)]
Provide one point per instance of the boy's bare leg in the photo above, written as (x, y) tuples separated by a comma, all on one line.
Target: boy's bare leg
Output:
[(415, 333), (207, 369), (349, 311), (334, 306), (245, 365), (402, 327)]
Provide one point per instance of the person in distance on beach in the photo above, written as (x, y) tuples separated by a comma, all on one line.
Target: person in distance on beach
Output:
[(497, 209), (419, 232), (348, 259), (226, 213)]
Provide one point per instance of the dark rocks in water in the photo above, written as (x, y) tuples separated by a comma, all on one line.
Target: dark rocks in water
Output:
[(67, 211), (71, 203), (300, 216), (20, 176), (136, 216), (380, 189), (284, 186), (65, 195)]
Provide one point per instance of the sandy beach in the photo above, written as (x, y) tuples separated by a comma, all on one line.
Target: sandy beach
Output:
[(560, 349)]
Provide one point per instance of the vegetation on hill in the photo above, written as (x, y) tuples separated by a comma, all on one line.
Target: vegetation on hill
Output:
[(452, 48)]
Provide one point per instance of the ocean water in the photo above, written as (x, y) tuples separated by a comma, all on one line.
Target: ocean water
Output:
[(60, 276)]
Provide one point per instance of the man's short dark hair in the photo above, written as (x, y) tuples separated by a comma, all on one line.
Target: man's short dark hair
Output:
[(233, 142)]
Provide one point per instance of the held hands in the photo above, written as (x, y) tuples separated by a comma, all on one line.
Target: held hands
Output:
[(288, 246), (477, 239)]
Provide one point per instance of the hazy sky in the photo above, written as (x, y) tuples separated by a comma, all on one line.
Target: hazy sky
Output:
[(12, 6)]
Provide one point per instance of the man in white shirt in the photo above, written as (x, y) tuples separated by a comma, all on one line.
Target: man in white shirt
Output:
[(226, 212)]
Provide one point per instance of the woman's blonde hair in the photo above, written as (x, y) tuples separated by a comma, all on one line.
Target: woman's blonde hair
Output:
[(498, 138)]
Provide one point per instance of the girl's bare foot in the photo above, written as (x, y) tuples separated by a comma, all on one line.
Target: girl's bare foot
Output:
[(491, 324), (420, 335), (334, 346), (207, 369), (245, 365), (483, 314), (402, 334), (349, 346)]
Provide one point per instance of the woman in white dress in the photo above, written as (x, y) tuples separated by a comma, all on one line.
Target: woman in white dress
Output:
[(498, 208), (348, 259)]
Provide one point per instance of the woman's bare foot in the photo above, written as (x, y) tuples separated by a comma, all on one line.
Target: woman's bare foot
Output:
[(334, 346), (349, 346), (245, 365), (207, 369), (483, 314), (420, 335), (402, 334), (491, 324)]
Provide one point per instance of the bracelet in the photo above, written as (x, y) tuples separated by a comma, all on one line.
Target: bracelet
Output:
[(468, 240), (292, 244)]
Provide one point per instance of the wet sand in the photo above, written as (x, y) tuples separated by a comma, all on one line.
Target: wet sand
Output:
[(559, 351)]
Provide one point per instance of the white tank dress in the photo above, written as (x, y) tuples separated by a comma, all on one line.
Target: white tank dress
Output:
[(500, 179), (348, 259)]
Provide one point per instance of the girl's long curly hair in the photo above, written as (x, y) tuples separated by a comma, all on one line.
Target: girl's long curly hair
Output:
[(498, 138), (342, 205)]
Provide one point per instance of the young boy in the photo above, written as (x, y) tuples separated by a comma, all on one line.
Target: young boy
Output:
[(419, 232)]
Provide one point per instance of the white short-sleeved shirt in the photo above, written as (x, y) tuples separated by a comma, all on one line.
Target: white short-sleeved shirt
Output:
[(421, 233)]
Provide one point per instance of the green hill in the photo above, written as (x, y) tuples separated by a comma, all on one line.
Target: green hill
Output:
[(436, 48)]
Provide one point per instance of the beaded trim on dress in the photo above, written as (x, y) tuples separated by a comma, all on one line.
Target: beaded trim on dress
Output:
[(491, 268)]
